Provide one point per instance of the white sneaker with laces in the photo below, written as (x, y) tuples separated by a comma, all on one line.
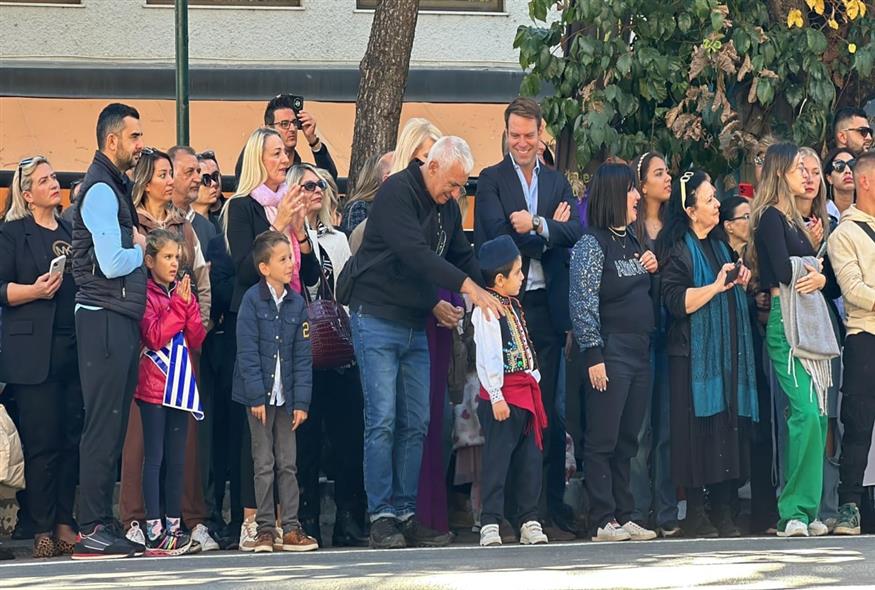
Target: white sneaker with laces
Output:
[(531, 533), (489, 535), (248, 535), (201, 534), (794, 528), (612, 532), (135, 534), (637, 532), (817, 529)]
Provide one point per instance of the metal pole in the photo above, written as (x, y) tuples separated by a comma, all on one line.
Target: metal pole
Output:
[(182, 136)]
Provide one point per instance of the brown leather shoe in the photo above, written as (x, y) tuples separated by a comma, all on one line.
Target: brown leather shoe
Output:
[(43, 547), (297, 540), (264, 542)]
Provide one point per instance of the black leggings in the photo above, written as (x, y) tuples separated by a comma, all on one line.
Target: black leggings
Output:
[(164, 432)]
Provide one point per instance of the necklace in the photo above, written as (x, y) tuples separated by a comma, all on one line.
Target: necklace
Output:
[(619, 236)]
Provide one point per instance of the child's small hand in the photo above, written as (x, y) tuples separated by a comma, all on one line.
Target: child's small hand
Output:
[(184, 289), (500, 411), (298, 418), (259, 413)]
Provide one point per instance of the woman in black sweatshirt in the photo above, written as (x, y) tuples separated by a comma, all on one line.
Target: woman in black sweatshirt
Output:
[(612, 316)]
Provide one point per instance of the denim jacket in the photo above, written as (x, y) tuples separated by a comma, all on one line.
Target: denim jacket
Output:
[(263, 332)]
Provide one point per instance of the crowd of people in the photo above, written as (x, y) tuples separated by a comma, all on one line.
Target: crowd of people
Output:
[(665, 343)]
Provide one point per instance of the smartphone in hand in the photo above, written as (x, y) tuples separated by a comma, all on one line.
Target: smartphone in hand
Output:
[(57, 265), (733, 274)]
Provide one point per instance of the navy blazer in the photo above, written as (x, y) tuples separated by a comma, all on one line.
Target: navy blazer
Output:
[(498, 195), (263, 332), (27, 330)]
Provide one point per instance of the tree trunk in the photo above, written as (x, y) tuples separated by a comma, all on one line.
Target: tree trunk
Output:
[(384, 71)]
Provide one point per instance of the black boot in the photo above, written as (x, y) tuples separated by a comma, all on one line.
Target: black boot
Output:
[(697, 524), (312, 528), (721, 510), (348, 532)]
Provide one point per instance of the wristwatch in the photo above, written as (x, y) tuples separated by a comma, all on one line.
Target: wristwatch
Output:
[(536, 223)]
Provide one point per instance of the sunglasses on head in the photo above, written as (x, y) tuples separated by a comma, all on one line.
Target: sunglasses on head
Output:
[(840, 165), (27, 162), (207, 155), (312, 185), (208, 179)]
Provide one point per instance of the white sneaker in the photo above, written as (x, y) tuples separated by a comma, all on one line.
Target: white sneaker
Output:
[(201, 534), (637, 532), (135, 534), (794, 528), (817, 529), (489, 535), (531, 533), (612, 532), (248, 535)]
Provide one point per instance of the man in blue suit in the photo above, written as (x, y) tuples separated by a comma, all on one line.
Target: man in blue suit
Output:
[(532, 203)]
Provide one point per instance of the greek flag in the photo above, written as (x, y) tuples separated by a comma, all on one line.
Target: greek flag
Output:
[(180, 389)]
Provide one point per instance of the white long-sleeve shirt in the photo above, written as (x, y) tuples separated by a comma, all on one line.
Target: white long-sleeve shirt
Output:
[(491, 352)]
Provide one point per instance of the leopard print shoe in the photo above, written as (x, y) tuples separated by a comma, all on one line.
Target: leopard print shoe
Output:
[(43, 547), (63, 548)]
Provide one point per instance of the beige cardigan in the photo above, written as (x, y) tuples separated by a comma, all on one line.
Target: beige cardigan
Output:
[(852, 253)]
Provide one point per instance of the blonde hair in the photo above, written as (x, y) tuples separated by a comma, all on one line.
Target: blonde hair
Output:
[(22, 182), (368, 182), (416, 131), (253, 173), (818, 205), (774, 191), (329, 194), (143, 173)]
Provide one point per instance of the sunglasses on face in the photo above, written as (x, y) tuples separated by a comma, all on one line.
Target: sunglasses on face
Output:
[(864, 131), (208, 179), (840, 165), (312, 185)]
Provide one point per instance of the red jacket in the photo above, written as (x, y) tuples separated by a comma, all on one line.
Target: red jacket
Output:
[(166, 314)]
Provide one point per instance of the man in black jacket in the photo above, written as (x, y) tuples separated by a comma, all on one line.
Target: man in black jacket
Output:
[(533, 204), (107, 254), (413, 244), (280, 115)]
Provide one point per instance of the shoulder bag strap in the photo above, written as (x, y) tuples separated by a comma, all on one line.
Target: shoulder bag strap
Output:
[(869, 231)]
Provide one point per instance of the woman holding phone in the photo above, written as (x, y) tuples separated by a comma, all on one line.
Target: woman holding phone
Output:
[(711, 357), (39, 361)]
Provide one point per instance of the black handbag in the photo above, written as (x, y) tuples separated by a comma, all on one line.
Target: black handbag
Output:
[(330, 334)]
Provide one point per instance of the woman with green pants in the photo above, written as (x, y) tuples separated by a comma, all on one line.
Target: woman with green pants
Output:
[(779, 234)]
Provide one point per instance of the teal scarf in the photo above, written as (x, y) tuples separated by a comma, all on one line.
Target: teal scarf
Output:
[(710, 347)]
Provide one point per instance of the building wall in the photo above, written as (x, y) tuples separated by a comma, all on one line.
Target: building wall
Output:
[(326, 32)]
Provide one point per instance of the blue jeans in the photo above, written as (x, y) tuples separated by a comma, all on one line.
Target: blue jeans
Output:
[(652, 464), (394, 366)]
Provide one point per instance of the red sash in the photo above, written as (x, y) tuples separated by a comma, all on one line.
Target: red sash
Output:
[(522, 390)]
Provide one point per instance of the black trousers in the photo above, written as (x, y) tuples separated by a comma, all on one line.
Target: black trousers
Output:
[(336, 418), (858, 414), (548, 347), (49, 422), (215, 439), (613, 421), (164, 434), (109, 347), (510, 458)]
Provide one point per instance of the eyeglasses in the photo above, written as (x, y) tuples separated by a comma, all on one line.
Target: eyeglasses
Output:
[(208, 179), (458, 187), (207, 155), (311, 185), (286, 124), (864, 131), (840, 165), (745, 217)]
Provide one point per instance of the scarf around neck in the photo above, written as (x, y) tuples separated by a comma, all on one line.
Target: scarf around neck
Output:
[(270, 200), (711, 349)]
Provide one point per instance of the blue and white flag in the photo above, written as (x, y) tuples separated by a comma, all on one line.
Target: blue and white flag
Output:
[(180, 388)]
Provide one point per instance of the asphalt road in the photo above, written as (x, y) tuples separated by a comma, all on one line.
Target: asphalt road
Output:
[(761, 563)]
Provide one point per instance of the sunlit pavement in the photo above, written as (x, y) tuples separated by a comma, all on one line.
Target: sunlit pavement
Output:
[(760, 563)]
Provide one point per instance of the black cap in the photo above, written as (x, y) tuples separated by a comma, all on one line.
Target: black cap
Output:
[(498, 252)]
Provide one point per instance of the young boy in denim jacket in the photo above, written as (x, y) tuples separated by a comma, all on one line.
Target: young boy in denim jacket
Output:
[(273, 378)]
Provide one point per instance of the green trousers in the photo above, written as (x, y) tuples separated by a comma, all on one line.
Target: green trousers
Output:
[(806, 429)]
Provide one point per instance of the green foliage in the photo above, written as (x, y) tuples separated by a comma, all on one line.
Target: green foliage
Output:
[(701, 80)]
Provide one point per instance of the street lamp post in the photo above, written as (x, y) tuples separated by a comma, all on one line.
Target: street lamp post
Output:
[(182, 135)]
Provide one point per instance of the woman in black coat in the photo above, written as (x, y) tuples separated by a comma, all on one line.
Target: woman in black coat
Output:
[(263, 201), (39, 361)]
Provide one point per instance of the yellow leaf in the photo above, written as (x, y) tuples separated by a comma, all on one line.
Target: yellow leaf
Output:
[(852, 48), (832, 24), (855, 8), (811, 3), (818, 6), (794, 19)]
